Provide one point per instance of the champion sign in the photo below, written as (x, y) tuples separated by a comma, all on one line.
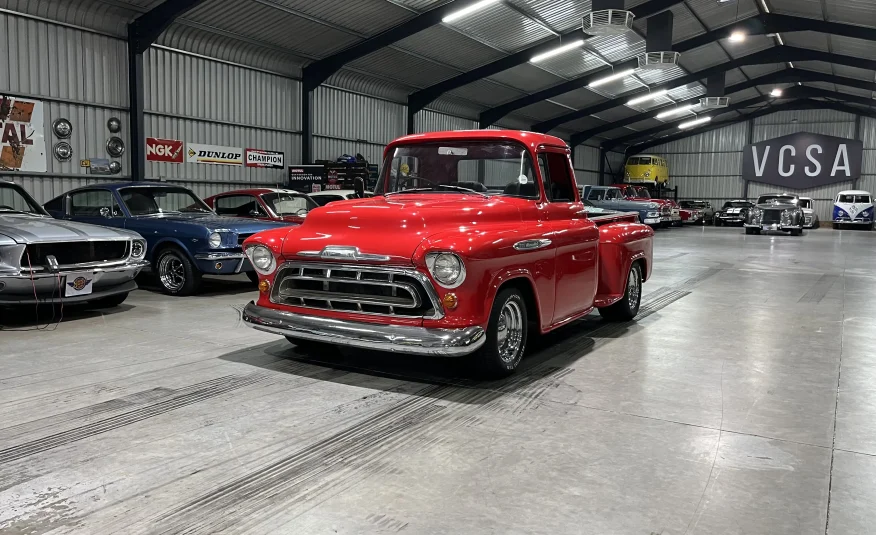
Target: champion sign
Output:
[(803, 160), (264, 158), (214, 154)]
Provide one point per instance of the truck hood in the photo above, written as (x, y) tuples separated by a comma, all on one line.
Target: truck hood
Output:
[(396, 225), (33, 229), (239, 225)]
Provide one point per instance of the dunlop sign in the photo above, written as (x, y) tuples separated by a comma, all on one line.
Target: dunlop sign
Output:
[(803, 160)]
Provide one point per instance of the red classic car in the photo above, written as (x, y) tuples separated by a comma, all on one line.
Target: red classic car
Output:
[(269, 204), (473, 240), (670, 213)]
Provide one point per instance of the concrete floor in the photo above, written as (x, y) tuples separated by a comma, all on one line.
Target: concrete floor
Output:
[(742, 401)]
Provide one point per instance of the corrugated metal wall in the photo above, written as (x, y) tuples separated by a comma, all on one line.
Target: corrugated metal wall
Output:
[(709, 165), (586, 165)]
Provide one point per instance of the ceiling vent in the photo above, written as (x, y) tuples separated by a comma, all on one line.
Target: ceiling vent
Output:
[(713, 103), (658, 60), (608, 22)]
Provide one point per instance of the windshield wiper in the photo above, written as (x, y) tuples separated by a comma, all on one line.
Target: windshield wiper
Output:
[(438, 188)]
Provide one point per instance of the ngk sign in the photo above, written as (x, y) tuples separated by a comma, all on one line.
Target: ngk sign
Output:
[(164, 150), (803, 160)]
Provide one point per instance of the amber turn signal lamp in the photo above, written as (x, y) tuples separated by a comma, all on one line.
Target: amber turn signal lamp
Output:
[(264, 285), (450, 301)]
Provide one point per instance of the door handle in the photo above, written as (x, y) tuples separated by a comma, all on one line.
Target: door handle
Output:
[(532, 245)]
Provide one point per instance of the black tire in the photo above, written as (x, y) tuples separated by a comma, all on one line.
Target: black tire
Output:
[(627, 308), (176, 274), (509, 306), (816, 225), (717, 222), (749, 230), (837, 226), (109, 301), (253, 277)]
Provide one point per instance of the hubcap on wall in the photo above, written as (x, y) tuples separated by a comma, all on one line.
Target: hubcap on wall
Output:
[(510, 335), (172, 273)]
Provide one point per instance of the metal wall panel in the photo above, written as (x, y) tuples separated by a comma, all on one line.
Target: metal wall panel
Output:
[(586, 178), (329, 148), (730, 138), (586, 158), (715, 188), (345, 115), (615, 162), (770, 131), (433, 121), (704, 164)]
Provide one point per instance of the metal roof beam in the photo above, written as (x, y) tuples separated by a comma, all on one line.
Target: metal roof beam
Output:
[(779, 54), (778, 77), (146, 28)]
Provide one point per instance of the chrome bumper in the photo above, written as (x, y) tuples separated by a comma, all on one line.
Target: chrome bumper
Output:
[(776, 226), (391, 338)]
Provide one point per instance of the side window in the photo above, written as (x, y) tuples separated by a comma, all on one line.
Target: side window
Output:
[(94, 203), (56, 204), (560, 186), (238, 206), (595, 195)]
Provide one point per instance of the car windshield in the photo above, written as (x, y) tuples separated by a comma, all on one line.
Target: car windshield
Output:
[(484, 168), (849, 198), (805, 203), (161, 200), (639, 160), (14, 199), (289, 203), (692, 204), (777, 199), (737, 204)]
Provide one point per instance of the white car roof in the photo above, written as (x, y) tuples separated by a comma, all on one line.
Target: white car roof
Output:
[(854, 192), (343, 192)]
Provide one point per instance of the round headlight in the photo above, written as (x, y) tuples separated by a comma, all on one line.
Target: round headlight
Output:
[(262, 259), (647, 174), (138, 249), (653, 205), (215, 240), (446, 268)]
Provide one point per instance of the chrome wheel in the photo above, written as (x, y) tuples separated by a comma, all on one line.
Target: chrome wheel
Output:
[(634, 286), (509, 338), (171, 272)]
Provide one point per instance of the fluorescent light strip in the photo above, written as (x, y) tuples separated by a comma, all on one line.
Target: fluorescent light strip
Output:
[(456, 15), (646, 98), (765, 6), (611, 78), (695, 122), (675, 111), (557, 51)]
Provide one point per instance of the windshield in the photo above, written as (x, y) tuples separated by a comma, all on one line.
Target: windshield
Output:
[(783, 199), (161, 200), (737, 204), (289, 203), (639, 160), (485, 168), (643, 193), (805, 203), (848, 198), (13, 198)]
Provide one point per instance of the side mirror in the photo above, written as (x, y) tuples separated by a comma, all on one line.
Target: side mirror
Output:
[(254, 213), (359, 187), (106, 212)]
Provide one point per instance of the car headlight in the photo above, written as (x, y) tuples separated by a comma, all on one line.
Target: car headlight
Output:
[(446, 268), (652, 215), (138, 249), (215, 240), (262, 259), (653, 205)]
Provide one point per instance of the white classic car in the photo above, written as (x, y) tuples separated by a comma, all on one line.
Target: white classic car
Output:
[(853, 207), (810, 218)]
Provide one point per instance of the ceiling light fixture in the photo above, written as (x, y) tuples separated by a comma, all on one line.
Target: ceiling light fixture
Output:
[(675, 111), (737, 37), (777, 92), (611, 77), (557, 51), (645, 98), (477, 6), (695, 122)]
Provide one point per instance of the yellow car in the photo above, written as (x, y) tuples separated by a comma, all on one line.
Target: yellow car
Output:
[(646, 169)]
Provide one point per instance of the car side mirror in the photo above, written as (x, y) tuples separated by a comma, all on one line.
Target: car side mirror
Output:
[(106, 212), (254, 213), (359, 187)]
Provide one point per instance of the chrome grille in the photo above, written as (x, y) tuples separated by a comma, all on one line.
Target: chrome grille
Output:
[(771, 216), (82, 254), (360, 289)]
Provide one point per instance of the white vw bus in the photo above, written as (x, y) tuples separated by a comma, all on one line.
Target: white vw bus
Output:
[(853, 207)]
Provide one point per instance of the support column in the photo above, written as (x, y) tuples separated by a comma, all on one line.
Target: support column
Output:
[(137, 118), (306, 121), (857, 136), (601, 166)]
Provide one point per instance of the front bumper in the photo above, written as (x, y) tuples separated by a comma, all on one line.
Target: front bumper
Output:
[(19, 288), (392, 338), (774, 226), (222, 263), (652, 221), (853, 221)]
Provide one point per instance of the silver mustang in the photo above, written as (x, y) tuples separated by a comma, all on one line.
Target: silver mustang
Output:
[(45, 260)]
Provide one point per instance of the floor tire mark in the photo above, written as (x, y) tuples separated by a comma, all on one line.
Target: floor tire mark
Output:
[(819, 289)]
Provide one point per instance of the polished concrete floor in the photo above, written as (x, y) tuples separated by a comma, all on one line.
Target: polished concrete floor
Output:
[(742, 401)]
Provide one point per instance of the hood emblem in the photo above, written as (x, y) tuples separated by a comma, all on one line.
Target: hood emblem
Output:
[(343, 252)]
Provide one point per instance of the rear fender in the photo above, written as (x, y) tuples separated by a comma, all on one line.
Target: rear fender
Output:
[(621, 244)]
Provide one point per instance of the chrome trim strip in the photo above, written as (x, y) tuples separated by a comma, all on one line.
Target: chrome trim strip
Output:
[(532, 245), (342, 252), (421, 278), (392, 338), (220, 256), (43, 274)]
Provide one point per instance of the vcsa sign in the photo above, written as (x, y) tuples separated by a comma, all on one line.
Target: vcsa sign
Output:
[(164, 150), (803, 160)]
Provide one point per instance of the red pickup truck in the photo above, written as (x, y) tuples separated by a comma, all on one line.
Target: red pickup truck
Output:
[(472, 241)]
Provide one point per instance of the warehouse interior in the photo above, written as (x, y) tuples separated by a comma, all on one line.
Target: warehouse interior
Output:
[(740, 400)]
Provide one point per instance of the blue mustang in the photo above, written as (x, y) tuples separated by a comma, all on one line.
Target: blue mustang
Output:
[(185, 238)]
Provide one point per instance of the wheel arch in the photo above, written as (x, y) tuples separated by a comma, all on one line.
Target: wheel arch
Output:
[(165, 243), (524, 284)]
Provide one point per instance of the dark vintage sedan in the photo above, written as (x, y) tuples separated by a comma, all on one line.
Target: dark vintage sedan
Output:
[(185, 238), (775, 211)]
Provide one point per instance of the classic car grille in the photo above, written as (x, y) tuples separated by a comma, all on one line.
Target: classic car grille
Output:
[(666, 210), (74, 253), (770, 217), (242, 237), (361, 289)]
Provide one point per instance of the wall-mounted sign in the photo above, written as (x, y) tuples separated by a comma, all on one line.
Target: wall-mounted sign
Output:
[(164, 150), (100, 166), (803, 160), (22, 145), (304, 178), (264, 158), (214, 154)]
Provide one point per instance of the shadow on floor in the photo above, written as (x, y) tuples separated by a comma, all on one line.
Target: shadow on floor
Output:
[(46, 317), (210, 285)]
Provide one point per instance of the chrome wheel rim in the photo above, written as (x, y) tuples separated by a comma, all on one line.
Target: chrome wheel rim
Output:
[(509, 338), (172, 273), (634, 287)]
